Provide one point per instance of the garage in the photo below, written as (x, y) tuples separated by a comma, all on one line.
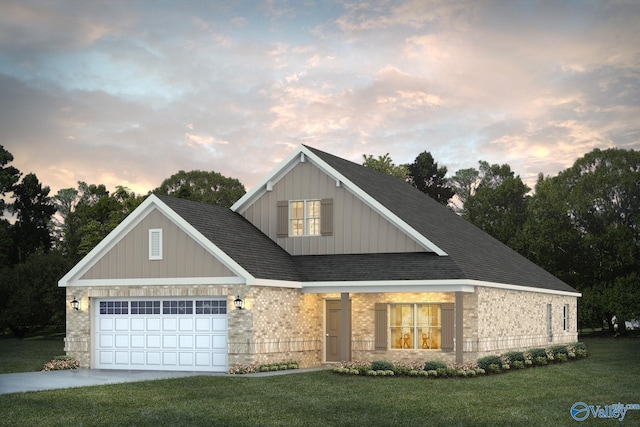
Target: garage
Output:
[(160, 334)]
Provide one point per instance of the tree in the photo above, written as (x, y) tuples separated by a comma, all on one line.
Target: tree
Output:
[(602, 201), (385, 165), (89, 214), (426, 176), (464, 184), (30, 298), (498, 205), (34, 209), (207, 187), (9, 176)]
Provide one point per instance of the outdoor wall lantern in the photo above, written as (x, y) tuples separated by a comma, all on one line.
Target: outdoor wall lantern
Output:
[(75, 303), (238, 302)]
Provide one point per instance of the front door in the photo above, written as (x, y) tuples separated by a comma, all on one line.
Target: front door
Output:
[(332, 341)]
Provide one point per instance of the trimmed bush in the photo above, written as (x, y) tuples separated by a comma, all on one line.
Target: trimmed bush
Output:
[(538, 353), (484, 362), (514, 356), (493, 368), (559, 349), (381, 365), (434, 366)]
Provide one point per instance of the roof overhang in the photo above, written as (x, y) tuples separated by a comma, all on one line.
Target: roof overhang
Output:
[(391, 286)]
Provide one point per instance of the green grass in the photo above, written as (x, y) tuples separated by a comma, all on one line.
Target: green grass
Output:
[(29, 354), (530, 397)]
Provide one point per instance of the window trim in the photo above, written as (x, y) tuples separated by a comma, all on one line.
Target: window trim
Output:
[(565, 317)]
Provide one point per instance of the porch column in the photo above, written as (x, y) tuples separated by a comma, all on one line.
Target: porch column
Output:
[(345, 327), (459, 327)]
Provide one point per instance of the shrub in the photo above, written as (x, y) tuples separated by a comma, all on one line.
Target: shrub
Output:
[(559, 349), (484, 362), (372, 373), (433, 366), (540, 361), (517, 364), (61, 363), (442, 372), (493, 368), (513, 356), (401, 370), (561, 357), (538, 353), (432, 373), (480, 371), (381, 365)]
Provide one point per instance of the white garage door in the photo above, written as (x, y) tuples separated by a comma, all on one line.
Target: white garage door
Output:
[(161, 334)]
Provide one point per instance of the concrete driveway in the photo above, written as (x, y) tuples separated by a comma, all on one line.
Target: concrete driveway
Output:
[(37, 381), (51, 380)]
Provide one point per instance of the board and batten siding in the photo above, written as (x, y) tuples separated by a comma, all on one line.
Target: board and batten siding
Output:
[(356, 227), (181, 255)]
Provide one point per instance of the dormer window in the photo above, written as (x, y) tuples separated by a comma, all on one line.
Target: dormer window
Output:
[(155, 244)]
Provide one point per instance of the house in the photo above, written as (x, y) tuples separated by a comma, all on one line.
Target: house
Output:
[(331, 261)]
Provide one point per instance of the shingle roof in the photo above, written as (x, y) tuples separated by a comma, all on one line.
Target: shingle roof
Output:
[(477, 255), (236, 237)]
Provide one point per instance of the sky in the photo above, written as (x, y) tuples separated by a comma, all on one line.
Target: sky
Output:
[(130, 92)]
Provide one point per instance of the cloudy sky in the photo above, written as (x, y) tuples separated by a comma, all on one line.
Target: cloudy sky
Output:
[(130, 92)]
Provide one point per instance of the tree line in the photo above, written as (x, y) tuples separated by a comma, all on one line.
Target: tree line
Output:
[(581, 225)]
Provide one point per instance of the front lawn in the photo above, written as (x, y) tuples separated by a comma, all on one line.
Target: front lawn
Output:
[(528, 397), (29, 354)]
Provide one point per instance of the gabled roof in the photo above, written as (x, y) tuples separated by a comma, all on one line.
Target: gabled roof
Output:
[(238, 238), (478, 255)]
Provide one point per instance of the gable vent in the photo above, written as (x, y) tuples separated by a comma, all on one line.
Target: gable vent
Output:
[(155, 244)]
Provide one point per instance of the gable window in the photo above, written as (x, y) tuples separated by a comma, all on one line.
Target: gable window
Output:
[(155, 244), (415, 326), (304, 218)]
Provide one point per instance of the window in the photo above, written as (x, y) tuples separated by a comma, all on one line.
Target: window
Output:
[(145, 307), (114, 307), (565, 318), (549, 328), (304, 218), (211, 307), (155, 244), (177, 307), (415, 326)]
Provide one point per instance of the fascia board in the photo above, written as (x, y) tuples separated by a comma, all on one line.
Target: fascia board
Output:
[(161, 281), (274, 176), (131, 222), (453, 285)]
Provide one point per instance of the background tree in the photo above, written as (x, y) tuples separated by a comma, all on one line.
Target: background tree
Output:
[(385, 165), (598, 199), (90, 213), (464, 184), (207, 187), (428, 177), (33, 208), (9, 176), (499, 205), (30, 299)]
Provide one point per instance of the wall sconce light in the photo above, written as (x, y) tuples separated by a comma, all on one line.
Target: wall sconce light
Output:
[(75, 303), (238, 302)]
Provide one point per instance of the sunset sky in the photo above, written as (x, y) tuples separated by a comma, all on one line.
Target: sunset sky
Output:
[(130, 92)]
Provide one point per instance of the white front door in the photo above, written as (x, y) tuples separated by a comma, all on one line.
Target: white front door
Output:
[(160, 334)]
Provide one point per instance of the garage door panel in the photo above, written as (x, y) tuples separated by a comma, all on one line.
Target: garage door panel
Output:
[(171, 334)]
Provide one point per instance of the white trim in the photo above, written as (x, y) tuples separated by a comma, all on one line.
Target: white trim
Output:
[(129, 223), (303, 152), (161, 281), (278, 283)]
